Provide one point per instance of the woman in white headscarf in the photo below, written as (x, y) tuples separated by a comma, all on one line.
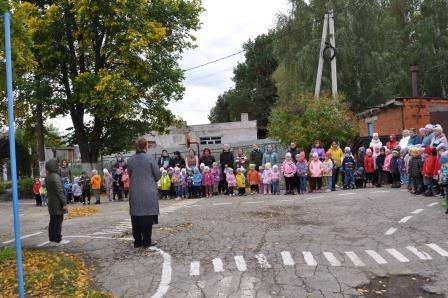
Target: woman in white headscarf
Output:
[(439, 136), (376, 142)]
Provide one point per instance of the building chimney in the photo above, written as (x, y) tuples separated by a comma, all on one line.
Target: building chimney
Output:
[(414, 80), (244, 117)]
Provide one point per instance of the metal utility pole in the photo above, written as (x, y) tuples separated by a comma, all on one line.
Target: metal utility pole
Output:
[(40, 140), (324, 47)]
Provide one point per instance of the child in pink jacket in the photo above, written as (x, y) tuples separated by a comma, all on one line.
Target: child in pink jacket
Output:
[(267, 179), (288, 170), (231, 180), (315, 174)]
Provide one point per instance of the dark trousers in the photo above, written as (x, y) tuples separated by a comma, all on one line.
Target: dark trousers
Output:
[(166, 194), (38, 199), (315, 183), (254, 188), (241, 191), (142, 230), (55, 228), (290, 183), (85, 195), (335, 178), (297, 182), (396, 180), (417, 183)]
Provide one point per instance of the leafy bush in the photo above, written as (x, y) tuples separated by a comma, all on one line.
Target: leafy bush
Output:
[(7, 184), (25, 186)]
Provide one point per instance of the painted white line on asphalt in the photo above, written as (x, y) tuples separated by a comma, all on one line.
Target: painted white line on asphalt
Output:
[(108, 232), (218, 265), (354, 258), (256, 202), (438, 249), (240, 263), (397, 255), (43, 244), (347, 194), (191, 206), (417, 211), (287, 258), (195, 268), (221, 204), (127, 219), (380, 191), (263, 261), (420, 254), (331, 259), (318, 197), (376, 256), (390, 231), (165, 280), (433, 204), (309, 259), (405, 219), (286, 200), (23, 237)]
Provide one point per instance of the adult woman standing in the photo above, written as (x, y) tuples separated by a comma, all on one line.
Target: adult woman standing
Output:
[(207, 158), (65, 171), (226, 160), (177, 160), (192, 160), (143, 195), (270, 156), (164, 160)]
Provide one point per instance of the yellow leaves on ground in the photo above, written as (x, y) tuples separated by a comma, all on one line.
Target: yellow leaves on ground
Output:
[(47, 274), (80, 212)]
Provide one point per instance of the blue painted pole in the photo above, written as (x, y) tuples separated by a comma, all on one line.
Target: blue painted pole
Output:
[(12, 154)]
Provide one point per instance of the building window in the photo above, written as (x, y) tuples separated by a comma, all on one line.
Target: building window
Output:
[(370, 129), (210, 140)]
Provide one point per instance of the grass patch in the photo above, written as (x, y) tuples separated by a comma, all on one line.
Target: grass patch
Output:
[(47, 274), (6, 253)]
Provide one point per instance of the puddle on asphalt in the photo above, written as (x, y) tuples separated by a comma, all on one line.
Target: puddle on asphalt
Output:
[(393, 286)]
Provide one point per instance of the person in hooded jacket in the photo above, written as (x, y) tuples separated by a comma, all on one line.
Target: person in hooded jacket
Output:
[(57, 204), (392, 143), (395, 164), (379, 161)]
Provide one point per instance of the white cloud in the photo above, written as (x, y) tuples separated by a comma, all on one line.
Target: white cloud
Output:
[(226, 25)]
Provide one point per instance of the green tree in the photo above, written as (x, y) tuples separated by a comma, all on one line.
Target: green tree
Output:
[(110, 65), (305, 119), (254, 92)]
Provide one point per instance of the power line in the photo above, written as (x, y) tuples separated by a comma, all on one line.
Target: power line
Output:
[(214, 61)]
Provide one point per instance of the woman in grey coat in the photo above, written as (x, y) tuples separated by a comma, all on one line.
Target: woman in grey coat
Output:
[(143, 195)]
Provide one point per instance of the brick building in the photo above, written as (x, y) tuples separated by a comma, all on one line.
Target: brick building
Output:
[(403, 113)]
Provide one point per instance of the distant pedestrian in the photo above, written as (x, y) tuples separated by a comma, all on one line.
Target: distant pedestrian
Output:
[(143, 195), (57, 204)]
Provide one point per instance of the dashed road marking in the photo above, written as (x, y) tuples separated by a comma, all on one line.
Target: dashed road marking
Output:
[(287, 200), (309, 259), (438, 249), (287, 258), (22, 237), (354, 258), (405, 219), (255, 202), (380, 191), (397, 255), (331, 259), (263, 261), (420, 254), (347, 194), (312, 198), (43, 243), (433, 204), (240, 263), (417, 211), (221, 204), (195, 268), (218, 265), (390, 231), (376, 256), (165, 279)]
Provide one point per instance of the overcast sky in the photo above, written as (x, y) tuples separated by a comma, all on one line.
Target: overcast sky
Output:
[(226, 25)]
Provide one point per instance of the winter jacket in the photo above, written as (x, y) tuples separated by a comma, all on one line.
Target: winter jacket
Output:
[(267, 177), (66, 172), (414, 140), (36, 187), (270, 157), (85, 182), (177, 161), (369, 164), (164, 161), (256, 157), (207, 160), (197, 179), (380, 161), (415, 166), (315, 168), (302, 168), (231, 180), (240, 180), (216, 173), (375, 143), (108, 181), (288, 168), (320, 152), (440, 140), (429, 166), (336, 155), (392, 144), (275, 176), (95, 182), (427, 140), (348, 163), (207, 179), (253, 177), (386, 165), (77, 191), (55, 191), (226, 158), (125, 180), (176, 179), (165, 182), (395, 165), (327, 166)]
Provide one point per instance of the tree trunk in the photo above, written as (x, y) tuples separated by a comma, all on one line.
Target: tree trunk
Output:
[(40, 140)]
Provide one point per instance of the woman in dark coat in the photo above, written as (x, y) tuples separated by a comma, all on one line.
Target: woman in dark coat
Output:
[(226, 160), (65, 171), (207, 158), (164, 160), (143, 195), (177, 160)]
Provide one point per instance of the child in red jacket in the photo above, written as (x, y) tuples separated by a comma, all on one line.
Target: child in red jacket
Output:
[(369, 167), (428, 169), (36, 191)]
